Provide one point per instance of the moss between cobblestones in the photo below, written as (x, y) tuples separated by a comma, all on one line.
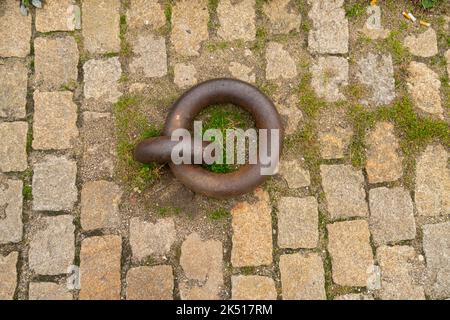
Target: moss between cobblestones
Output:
[(219, 214)]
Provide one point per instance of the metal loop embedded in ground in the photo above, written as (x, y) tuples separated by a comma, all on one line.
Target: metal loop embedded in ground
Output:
[(182, 115)]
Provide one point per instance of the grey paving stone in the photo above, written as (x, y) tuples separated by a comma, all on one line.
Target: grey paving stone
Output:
[(283, 16), (13, 89), (13, 146), (54, 186), (237, 20), (184, 75), (295, 174), (279, 62), (11, 227), (330, 77), (150, 57), (8, 275), (52, 245)]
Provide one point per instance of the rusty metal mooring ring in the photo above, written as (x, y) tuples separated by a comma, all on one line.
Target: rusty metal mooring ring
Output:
[(182, 115)]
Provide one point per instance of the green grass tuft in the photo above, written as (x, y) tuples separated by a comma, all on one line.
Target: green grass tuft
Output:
[(219, 214), (27, 192), (355, 10)]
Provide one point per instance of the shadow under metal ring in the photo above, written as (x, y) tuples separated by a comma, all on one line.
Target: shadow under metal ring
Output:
[(182, 115)]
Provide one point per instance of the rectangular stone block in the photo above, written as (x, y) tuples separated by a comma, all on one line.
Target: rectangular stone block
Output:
[(48, 291), (56, 15), (100, 268), (10, 210), (15, 30), (253, 288), (150, 283), (8, 275), (13, 89), (13, 146)]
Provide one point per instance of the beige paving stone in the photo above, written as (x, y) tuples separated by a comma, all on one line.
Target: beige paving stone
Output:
[(329, 77), (56, 15), (252, 232), (432, 188), (100, 202), (150, 57), (424, 87), (145, 13), (150, 283), (302, 277), (344, 191), (101, 25), (253, 288), (298, 221), (351, 253), (148, 238), (373, 28), (8, 275), (423, 45), (101, 83), (54, 121), (48, 291), (54, 186), (279, 62), (56, 62), (295, 174), (10, 210), (52, 245), (242, 72), (189, 26), (283, 16), (184, 75), (13, 146), (436, 240), (291, 115), (398, 265), (99, 147), (202, 261), (15, 30), (447, 57), (376, 73), (13, 89), (391, 215), (329, 33), (237, 20), (334, 133), (355, 296), (383, 160), (100, 268)]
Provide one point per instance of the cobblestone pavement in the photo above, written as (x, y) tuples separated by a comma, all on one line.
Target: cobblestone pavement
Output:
[(360, 208)]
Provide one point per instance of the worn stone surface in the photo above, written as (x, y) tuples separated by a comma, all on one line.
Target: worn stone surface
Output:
[(10, 210), (398, 264), (48, 291), (56, 62), (294, 173), (55, 121), (252, 232), (237, 20), (298, 221), (242, 72), (145, 13), (99, 148), (15, 30), (329, 77), (202, 262), (100, 268), (101, 82), (189, 26), (150, 283), (148, 238), (391, 215), (329, 33), (383, 160), (8, 275), (13, 89), (334, 133), (291, 115), (279, 62), (13, 146), (184, 75), (54, 184), (150, 57), (424, 44), (253, 288), (283, 16), (447, 57), (373, 28), (351, 253), (100, 202), (436, 245), (354, 296), (302, 277), (344, 191), (432, 192), (101, 25), (52, 245), (424, 86), (376, 72), (56, 15)]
